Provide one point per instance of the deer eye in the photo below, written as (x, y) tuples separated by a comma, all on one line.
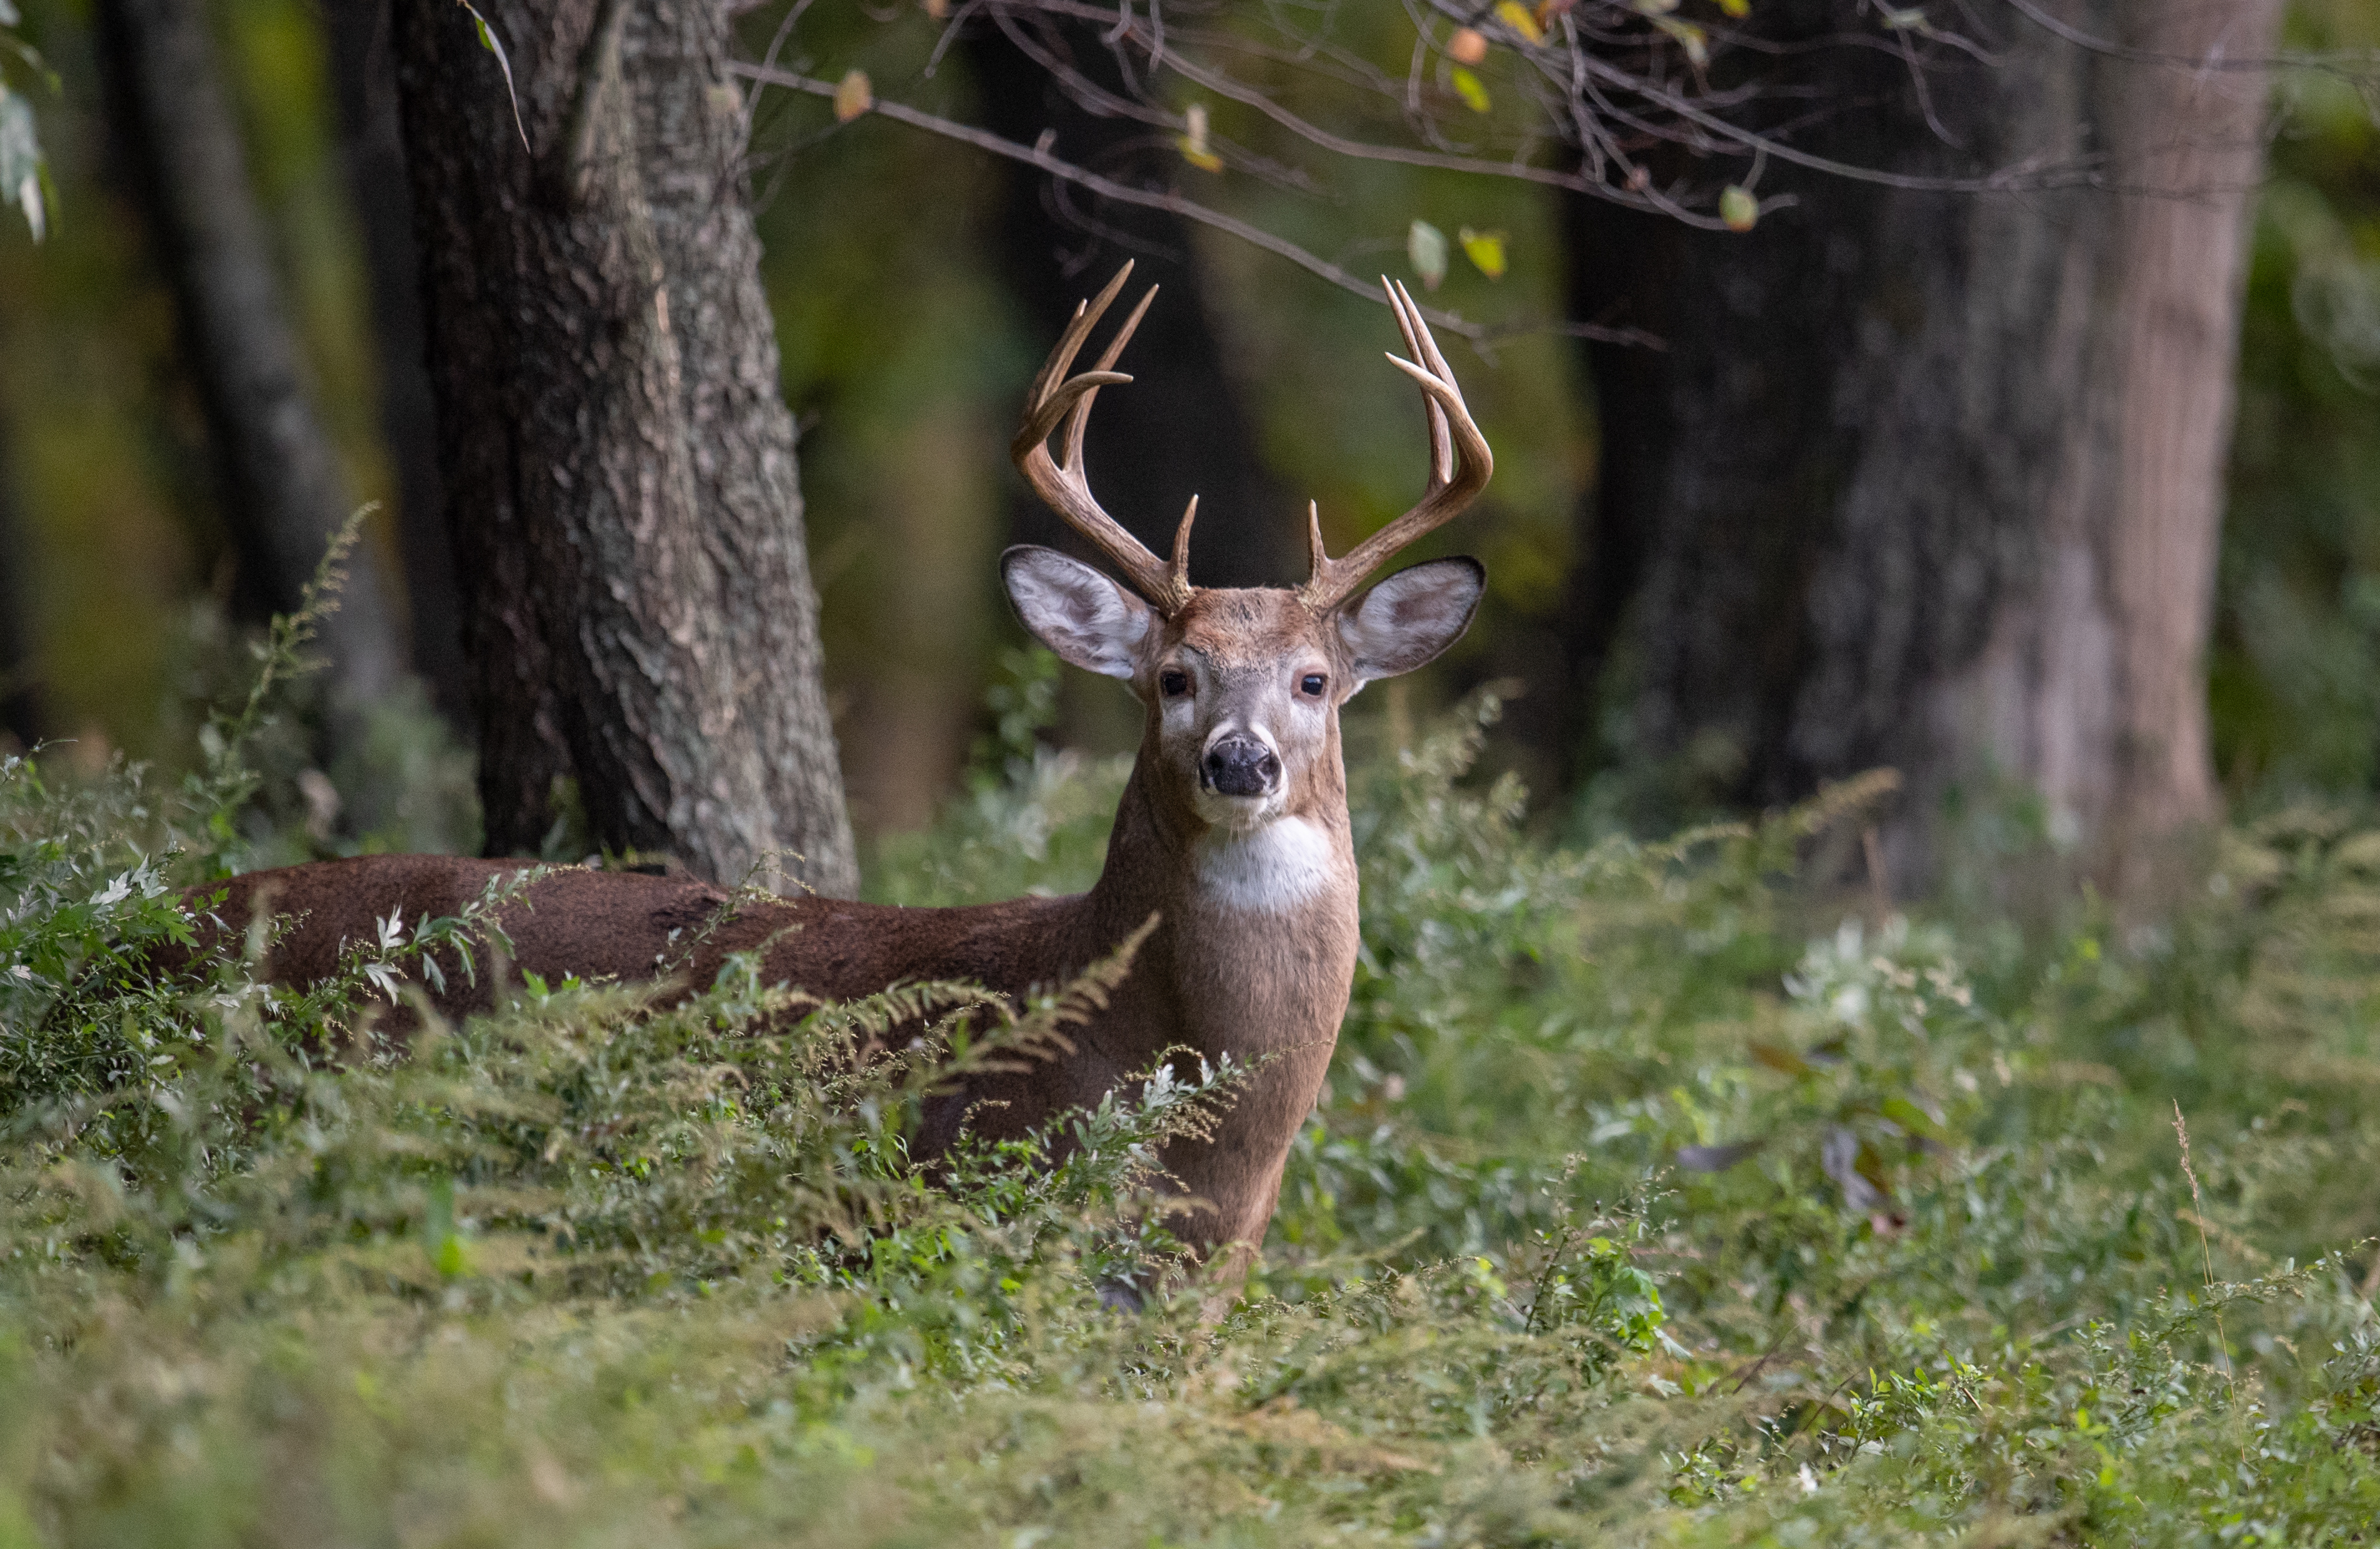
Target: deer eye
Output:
[(1313, 683), (1174, 684)]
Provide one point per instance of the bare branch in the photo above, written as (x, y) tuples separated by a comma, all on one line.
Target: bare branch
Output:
[(1480, 335)]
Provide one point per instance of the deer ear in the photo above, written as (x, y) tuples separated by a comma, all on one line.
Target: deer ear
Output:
[(1409, 618), (1075, 611)]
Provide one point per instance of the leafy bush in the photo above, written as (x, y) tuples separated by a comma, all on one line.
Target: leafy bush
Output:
[(1657, 1196)]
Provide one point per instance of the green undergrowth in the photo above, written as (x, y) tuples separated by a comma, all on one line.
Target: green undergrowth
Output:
[(1658, 1197)]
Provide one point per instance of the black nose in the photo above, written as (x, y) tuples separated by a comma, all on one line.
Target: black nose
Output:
[(1241, 767)]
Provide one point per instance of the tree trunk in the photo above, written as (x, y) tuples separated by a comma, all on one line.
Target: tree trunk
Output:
[(282, 491), (20, 684), (1934, 482), (1179, 428), (619, 462), (363, 78)]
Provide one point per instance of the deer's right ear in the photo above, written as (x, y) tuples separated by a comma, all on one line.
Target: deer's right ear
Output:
[(1086, 618)]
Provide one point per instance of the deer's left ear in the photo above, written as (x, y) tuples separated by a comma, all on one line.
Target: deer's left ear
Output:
[(1409, 618)]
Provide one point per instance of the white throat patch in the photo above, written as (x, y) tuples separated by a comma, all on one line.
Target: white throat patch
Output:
[(1267, 869)]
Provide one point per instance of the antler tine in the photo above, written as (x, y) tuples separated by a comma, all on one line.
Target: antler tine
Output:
[(1424, 350), (1181, 572), (1070, 453), (1079, 328), (1460, 466), (1056, 397)]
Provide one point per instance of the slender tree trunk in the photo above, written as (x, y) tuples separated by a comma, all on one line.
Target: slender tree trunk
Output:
[(1179, 428), (21, 687), (619, 462), (282, 491), (1934, 482), (363, 76)]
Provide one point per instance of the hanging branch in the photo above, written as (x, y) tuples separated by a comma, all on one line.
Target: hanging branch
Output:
[(1615, 91)]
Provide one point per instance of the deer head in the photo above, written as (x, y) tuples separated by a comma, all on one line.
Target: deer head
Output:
[(1241, 686)]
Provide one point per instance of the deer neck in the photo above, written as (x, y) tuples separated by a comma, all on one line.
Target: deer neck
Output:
[(1257, 937)]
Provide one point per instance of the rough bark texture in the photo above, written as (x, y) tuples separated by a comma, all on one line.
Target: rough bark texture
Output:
[(282, 491), (363, 76), (1179, 428), (1934, 482), (622, 489)]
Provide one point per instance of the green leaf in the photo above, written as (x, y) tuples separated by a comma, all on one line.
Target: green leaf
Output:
[(1468, 87), (1914, 1120), (488, 41), (1485, 249), (1737, 207), (1738, 10), (1426, 249)]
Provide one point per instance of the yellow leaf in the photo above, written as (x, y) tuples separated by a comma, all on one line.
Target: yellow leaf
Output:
[(1194, 150), (1738, 9), (1737, 207), (852, 96), (1467, 87), (1514, 15), (1486, 251)]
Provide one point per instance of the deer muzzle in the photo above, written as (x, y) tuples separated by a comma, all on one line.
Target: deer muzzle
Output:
[(1239, 766)]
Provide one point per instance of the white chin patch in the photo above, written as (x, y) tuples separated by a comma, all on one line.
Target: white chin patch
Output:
[(1266, 869), (1238, 815)]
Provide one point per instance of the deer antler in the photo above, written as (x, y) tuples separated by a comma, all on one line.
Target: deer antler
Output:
[(1460, 464), (1056, 397)]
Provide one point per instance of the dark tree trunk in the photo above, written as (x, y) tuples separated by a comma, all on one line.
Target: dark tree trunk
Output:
[(1179, 428), (1934, 482), (20, 684), (282, 491), (363, 76), (619, 461)]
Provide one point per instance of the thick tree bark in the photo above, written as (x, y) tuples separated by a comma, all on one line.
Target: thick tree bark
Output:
[(1932, 480), (1179, 428), (363, 76), (282, 491), (619, 462)]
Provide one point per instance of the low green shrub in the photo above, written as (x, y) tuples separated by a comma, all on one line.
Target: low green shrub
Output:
[(1657, 1196)]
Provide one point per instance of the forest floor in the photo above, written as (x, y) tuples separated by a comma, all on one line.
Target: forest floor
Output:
[(1661, 1194)]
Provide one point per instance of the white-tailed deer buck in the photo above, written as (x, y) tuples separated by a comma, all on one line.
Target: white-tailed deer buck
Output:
[(1233, 831)]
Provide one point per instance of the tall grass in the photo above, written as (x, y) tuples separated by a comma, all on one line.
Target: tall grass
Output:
[(1657, 1196)]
